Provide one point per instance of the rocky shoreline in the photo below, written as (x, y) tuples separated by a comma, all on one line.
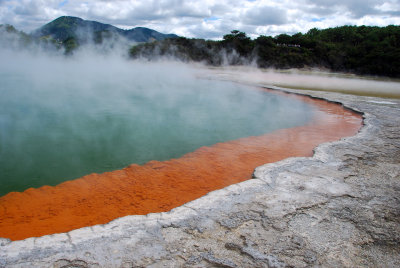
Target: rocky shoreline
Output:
[(339, 208)]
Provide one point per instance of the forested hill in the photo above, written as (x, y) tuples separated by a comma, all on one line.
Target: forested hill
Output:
[(69, 33), (359, 49), (66, 27)]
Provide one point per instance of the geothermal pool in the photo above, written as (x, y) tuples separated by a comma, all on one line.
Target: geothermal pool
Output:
[(141, 138), (58, 125)]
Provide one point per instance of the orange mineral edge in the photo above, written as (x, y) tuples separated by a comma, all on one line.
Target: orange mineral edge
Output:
[(160, 186)]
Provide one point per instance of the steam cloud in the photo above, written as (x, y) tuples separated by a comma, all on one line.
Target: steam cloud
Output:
[(65, 117)]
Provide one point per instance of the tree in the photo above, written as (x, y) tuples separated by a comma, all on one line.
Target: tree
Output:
[(70, 44), (284, 39), (238, 41)]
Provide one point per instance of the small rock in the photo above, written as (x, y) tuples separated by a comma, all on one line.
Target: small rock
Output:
[(4, 241), (310, 257), (209, 257), (298, 242)]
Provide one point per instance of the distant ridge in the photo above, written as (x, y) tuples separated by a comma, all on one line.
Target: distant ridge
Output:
[(67, 27)]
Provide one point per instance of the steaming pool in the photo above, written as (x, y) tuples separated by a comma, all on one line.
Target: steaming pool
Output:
[(114, 138), (60, 121)]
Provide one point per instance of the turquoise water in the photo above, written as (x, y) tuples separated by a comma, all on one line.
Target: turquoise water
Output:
[(60, 121)]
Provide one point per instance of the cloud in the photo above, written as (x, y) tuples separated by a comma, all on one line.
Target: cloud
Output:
[(357, 8), (265, 15), (191, 18)]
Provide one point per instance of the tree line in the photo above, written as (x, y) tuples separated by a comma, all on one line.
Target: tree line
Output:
[(358, 49)]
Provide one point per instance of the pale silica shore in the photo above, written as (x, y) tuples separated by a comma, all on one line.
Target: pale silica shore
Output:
[(339, 208)]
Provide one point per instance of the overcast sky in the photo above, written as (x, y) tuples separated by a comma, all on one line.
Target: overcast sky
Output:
[(209, 19)]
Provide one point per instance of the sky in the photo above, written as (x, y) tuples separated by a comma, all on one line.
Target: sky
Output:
[(209, 19)]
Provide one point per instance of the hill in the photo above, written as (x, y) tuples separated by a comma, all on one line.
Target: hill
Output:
[(66, 27)]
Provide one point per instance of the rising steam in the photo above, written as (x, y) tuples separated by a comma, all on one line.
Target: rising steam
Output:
[(65, 117)]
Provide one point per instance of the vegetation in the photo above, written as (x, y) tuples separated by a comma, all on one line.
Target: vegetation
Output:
[(10, 35), (10, 38), (358, 49)]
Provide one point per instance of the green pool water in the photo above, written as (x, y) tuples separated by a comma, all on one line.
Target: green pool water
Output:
[(62, 120)]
